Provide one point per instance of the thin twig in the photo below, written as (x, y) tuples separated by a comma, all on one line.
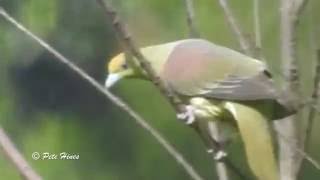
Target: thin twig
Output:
[(117, 101), (215, 132), (16, 158), (224, 164), (290, 160), (256, 16), (257, 28), (315, 55), (193, 32), (222, 170), (245, 44), (315, 98)]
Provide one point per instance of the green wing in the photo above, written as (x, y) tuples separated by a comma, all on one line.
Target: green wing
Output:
[(198, 67)]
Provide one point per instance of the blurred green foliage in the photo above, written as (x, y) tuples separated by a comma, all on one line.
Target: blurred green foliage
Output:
[(45, 107)]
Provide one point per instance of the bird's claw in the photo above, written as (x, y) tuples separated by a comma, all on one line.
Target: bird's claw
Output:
[(188, 116), (220, 155)]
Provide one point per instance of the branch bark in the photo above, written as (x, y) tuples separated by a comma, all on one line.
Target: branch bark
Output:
[(117, 101), (245, 44), (193, 32), (315, 99), (290, 160), (256, 16), (16, 158), (316, 82), (300, 151), (221, 167), (257, 29), (290, 13)]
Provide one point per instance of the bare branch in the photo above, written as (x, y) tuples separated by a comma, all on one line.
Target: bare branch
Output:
[(290, 12), (315, 98), (245, 44), (16, 158), (299, 7), (193, 32), (222, 171), (315, 55), (290, 160), (256, 16), (257, 28), (305, 155), (117, 101), (221, 167)]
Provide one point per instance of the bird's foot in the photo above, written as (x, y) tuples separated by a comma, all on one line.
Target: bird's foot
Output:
[(188, 116), (221, 154)]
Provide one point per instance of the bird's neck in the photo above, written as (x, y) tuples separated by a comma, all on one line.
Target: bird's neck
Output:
[(158, 55)]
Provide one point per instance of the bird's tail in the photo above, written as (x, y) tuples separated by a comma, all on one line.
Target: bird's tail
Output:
[(255, 133)]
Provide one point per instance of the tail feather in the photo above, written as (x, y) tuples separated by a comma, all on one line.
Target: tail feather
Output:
[(254, 130)]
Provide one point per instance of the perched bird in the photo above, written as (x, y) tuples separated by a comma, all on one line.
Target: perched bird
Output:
[(214, 81)]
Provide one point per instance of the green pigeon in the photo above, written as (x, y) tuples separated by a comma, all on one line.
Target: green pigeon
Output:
[(217, 84)]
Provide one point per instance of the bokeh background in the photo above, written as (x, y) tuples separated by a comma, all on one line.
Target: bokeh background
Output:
[(45, 107)]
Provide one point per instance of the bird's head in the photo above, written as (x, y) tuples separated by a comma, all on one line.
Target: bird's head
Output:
[(125, 66), (120, 67)]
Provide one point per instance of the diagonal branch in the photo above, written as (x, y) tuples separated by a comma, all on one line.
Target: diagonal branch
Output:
[(257, 28), (16, 158), (117, 101), (245, 44), (193, 32)]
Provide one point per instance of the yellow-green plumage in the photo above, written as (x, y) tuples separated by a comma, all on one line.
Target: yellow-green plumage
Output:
[(212, 79), (258, 144), (253, 126)]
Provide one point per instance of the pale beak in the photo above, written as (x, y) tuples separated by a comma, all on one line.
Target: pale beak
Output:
[(112, 79)]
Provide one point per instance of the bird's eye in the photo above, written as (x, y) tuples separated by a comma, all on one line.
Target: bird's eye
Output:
[(124, 66)]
